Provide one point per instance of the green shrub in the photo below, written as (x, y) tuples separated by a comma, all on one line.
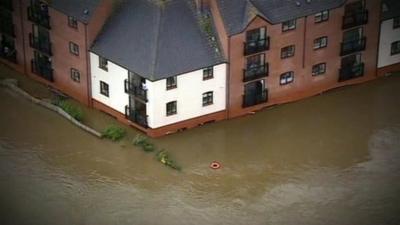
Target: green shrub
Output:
[(164, 158), (71, 109), (114, 133), (142, 142)]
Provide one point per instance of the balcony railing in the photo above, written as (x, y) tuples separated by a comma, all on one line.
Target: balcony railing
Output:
[(40, 44), (354, 19), (255, 98), (352, 46), (256, 46), (39, 16), (350, 72), (7, 27), (255, 73), (135, 90), (136, 117), (8, 54), (6, 4), (42, 69)]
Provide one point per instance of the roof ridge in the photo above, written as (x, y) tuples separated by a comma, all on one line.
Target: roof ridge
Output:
[(157, 41)]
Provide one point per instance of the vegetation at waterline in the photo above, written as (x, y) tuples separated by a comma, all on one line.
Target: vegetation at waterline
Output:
[(71, 109), (114, 133), (161, 155)]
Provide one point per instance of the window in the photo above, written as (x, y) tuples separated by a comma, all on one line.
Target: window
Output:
[(171, 108), (395, 49), (75, 75), (208, 98), (319, 69), (208, 73), (321, 42), (287, 51), (289, 25), (321, 16), (73, 48), (396, 22), (171, 83), (72, 22), (103, 63), (287, 78), (104, 88)]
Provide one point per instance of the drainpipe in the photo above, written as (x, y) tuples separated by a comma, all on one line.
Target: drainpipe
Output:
[(88, 75), (304, 41)]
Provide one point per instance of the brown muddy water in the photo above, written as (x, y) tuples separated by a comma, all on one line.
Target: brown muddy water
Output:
[(330, 159)]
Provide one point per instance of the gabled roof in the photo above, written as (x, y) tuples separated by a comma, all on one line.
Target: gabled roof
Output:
[(390, 9), (82, 10), (156, 40), (236, 14)]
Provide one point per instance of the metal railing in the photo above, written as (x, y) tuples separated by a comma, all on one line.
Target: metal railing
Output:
[(255, 46), (40, 44), (42, 69), (39, 16), (135, 90), (8, 54), (348, 47), (356, 18), (255, 98), (350, 72), (136, 117), (7, 26), (255, 72)]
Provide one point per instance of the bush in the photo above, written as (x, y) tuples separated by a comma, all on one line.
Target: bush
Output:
[(164, 158), (114, 133), (142, 142), (71, 109)]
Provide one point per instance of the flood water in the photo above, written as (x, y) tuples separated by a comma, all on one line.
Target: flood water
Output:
[(330, 159)]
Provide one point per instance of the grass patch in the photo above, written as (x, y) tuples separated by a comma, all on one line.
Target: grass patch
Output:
[(71, 109), (114, 133)]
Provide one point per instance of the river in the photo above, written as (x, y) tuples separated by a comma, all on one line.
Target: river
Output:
[(329, 159)]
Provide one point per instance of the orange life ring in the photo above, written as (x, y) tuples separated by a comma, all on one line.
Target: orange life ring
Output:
[(215, 165)]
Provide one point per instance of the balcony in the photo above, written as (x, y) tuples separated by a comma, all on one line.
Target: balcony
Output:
[(42, 69), (8, 54), (356, 18), (352, 46), (40, 44), (256, 46), (136, 117), (38, 16), (350, 72), (135, 90), (6, 4), (7, 27), (255, 73), (255, 98)]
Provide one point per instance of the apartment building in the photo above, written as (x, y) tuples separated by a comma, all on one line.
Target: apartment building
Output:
[(389, 43), (157, 66), (282, 51), (51, 40)]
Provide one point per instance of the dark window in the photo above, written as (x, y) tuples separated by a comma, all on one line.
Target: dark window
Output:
[(321, 16), (287, 52), (73, 48), (208, 98), (319, 69), (289, 25), (103, 63), (321, 42), (255, 61), (104, 88), (171, 83), (287, 78), (395, 49), (171, 108), (72, 22), (208, 73), (75, 75), (396, 22)]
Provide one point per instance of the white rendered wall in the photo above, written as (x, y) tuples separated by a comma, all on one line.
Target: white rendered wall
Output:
[(387, 37), (189, 97), (115, 78)]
